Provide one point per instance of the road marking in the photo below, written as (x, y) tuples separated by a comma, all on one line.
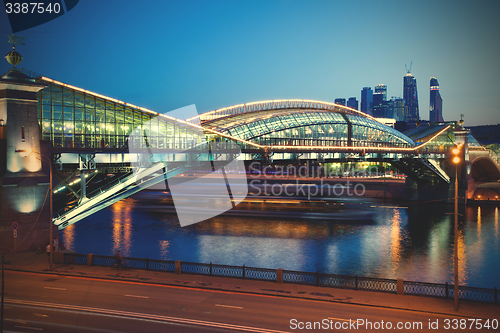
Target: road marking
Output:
[(40, 315), (229, 306), (138, 296), (143, 316), (31, 328), (54, 288), (16, 321)]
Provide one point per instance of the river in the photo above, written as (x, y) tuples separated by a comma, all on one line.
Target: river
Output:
[(409, 241)]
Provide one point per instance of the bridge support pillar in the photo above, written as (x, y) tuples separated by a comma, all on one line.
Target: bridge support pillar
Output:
[(426, 190), (24, 183), (83, 185), (410, 191)]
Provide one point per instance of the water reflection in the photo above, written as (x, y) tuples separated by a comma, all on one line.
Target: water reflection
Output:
[(463, 259), (439, 249), (164, 249), (479, 222), (413, 244), (395, 245), (496, 225), (122, 227), (68, 234)]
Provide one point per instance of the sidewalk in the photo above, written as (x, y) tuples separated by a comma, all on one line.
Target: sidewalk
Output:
[(33, 262)]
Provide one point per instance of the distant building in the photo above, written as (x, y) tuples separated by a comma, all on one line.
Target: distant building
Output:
[(379, 106), (436, 103), (399, 108), (389, 110), (366, 100), (381, 89), (410, 97), (340, 101), (387, 121), (352, 103)]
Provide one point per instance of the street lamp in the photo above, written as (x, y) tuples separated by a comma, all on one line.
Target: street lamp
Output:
[(51, 235), (456, 160)]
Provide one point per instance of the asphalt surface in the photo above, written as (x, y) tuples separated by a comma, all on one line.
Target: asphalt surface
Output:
[(74, 298)]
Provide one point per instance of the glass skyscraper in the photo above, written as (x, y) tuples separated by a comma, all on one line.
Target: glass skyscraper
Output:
[(366, 100), (352, 102), (436, 103), (399, 109), (382, 89), (410, 97)]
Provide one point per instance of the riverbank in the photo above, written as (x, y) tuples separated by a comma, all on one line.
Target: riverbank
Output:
[(486, 194)]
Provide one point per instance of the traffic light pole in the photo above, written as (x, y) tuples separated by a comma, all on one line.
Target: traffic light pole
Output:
[(455, 257)]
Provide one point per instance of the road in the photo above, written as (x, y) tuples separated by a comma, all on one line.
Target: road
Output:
[(48, 303)]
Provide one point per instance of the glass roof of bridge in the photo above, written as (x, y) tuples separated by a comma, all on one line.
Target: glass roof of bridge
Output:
[(421, 134), (330, 126)]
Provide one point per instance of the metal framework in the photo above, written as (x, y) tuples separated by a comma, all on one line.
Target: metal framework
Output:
[(275, 105)]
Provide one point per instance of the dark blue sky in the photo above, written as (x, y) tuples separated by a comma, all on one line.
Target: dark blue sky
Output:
[(164, 55)]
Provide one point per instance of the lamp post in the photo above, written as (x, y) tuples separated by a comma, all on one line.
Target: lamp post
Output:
[(456, 160), (51, 235)]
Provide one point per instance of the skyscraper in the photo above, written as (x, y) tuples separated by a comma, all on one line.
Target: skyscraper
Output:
[(410, 97), (366, 100), (352, 102), (436, 104), (379, 106), (340, 101), (382, 89), (399, 109)]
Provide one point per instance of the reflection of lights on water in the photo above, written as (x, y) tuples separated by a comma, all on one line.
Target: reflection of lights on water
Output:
[(164, 249), (122, 227), (439, 242), (238, 227), (462, 259), (69, 237), (496, 224), (395, 237), (478, 222)]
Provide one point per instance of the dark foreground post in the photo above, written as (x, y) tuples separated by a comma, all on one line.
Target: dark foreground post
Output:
[(1, 310)]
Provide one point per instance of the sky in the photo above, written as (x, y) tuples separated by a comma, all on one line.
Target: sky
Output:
[(164, 55)]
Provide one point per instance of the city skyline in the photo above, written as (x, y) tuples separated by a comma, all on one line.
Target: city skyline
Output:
[(216, 54)]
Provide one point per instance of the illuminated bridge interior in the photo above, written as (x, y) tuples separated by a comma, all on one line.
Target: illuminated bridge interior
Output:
[(302, 123), (71, 117), (75, 118)]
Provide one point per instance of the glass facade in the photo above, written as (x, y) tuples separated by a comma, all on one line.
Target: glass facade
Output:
[(75, 118), (72, 118), (309, 128), (369, 133)]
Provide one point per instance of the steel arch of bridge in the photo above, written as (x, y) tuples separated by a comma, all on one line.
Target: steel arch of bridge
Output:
[(276, 105)]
